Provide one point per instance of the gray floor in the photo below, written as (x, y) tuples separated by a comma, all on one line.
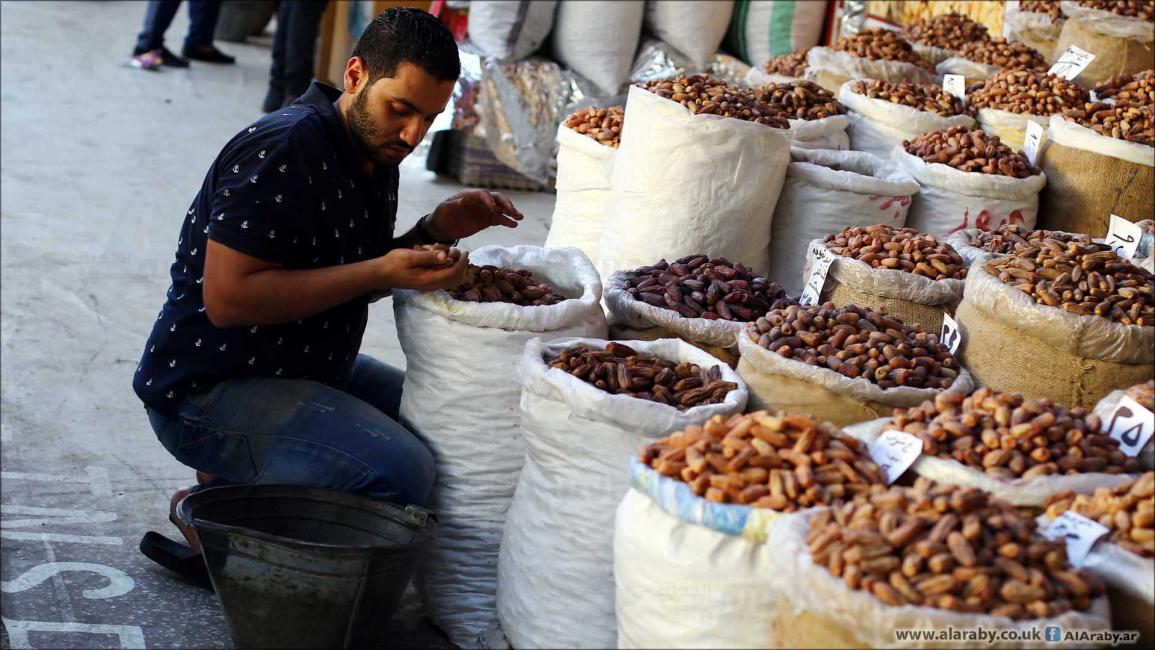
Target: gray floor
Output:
[(99, 163)]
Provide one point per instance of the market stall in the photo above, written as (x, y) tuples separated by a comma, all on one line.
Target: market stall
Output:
[(795, 367)]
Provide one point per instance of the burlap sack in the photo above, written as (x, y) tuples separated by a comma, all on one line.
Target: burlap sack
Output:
[(1010, 127), (776, 382), (1012, 344), (1036, 30), (1121, 45), (1090, 177), (912, 298), (817, 610)]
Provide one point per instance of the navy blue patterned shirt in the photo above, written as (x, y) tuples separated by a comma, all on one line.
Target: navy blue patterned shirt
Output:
[(289, 189)]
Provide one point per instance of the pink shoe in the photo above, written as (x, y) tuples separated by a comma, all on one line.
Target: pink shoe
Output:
[(149, 60)]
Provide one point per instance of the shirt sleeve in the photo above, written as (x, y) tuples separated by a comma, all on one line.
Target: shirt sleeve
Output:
[(260, 201)]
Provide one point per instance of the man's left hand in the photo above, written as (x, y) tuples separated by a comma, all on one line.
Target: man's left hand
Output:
[(469, 212)]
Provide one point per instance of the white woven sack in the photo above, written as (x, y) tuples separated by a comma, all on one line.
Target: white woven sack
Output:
[(847, 65), (598, 40), (932, 54), (1010, 127), (825, 133), (694, 29), (756, 76), (579, 211), (635, 314), (510, 30), (972, 70), (877, 125)]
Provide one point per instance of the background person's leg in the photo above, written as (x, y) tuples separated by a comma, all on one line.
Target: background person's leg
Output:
[(158, 16), (275, 97), (300, 46), (198, 44), (300, 433)]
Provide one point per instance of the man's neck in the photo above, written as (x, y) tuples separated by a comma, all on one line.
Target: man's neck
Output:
[(342, 105)]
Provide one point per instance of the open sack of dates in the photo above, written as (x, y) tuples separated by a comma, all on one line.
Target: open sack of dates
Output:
[(462, 388)]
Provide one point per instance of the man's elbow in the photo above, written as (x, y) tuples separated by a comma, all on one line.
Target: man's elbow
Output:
[(220, 313)]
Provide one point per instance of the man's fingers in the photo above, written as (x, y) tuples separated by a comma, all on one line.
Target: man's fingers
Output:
[(508, 222), (507, 206), (487, 199), (425, 258)]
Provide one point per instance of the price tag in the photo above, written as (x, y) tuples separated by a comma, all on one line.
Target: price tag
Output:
[(822, 259), (955, 84), (1132, 425), (1079, 532), (1123, 236), (894, 452), (1071, 63), (1032, 141), (950, 336)]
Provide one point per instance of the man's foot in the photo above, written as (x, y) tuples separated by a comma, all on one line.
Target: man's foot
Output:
[(189, 534), (274, 99), (208, 54), (149, 60), (169, 58)]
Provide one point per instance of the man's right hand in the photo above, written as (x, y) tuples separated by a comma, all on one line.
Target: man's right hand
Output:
[(404, 268)]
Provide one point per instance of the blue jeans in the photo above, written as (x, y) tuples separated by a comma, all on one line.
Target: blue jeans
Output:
[(343, 436), (158, 16)]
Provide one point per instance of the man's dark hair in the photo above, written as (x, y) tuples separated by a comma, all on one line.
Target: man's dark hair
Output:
[(406, 34)]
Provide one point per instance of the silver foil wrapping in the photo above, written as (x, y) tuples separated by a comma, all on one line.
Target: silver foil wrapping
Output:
[(521, 104), (853, 17)]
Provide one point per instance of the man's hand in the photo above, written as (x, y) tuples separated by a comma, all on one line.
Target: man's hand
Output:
[(404, 268), (469, 212)]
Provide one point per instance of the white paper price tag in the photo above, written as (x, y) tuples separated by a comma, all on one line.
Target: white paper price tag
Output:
[(1071, 63), (950, 336), (1123, 236), (1132, 425), (1033, 141), (823, 258), (1079, 532), (955, 84), (894, 452)]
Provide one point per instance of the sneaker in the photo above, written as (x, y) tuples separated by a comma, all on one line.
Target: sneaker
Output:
[(208, 54), (149, 60), (169, 58)]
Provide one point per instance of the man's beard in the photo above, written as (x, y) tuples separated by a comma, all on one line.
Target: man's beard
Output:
[(365, 134)]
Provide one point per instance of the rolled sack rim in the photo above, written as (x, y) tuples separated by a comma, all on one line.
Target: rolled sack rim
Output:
[(846, 64), (893, 283), (880, 110), (814, 129), (1091, 337), (944, 177), (1107, 23), (513, 317), (859, 389), (670, 109), (641, 315), (622, 411), (1076, 136), (869, 174)]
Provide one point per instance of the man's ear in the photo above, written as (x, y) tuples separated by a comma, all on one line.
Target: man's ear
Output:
[(355, 75)]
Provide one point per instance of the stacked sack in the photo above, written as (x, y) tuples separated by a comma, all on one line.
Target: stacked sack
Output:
[(693, 29), (1036, 23), (598, 40), (586, 143), (826, 191), (786, 68), (844, 365), (683, 181), (691, 564), (937, 38), (1068, 321), (1021, 450), (510, 30), (883, 114), (705, 301), (911, 275), (764, 29), (1010, 99), (869, 54), (586, 407), (1120, 33), (983, 59), (817, 119), (930, 557), (462, 388), (1100, 158), (968, 179)]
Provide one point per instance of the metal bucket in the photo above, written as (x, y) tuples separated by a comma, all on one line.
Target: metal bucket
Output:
[(303, 567)]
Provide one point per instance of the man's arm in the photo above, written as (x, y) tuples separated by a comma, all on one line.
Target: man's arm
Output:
[(242, 290)]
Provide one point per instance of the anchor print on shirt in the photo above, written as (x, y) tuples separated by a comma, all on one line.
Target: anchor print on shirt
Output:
[(169, 394), (236, 169), (252, 361), (245, 224), (338, 193), (252, 128), (148, 383), (279, 199), (172, 364), (282, 168), (278, 373), (226, 192), (261, 154), (194, 251), (197, 343), (253, 178), (224, 346), (272, 234), (253, 329)]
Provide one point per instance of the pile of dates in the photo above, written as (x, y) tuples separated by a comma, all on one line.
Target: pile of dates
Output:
[(697, 286)]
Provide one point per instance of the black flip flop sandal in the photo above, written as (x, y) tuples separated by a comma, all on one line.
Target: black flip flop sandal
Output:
[(176, 557)]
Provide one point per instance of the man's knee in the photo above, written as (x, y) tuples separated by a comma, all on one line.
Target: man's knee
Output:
[(408, 474)]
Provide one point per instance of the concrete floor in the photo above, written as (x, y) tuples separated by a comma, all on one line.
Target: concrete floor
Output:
[(99, 163)]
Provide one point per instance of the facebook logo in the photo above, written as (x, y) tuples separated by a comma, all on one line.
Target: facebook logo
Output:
[(1052, 633)]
